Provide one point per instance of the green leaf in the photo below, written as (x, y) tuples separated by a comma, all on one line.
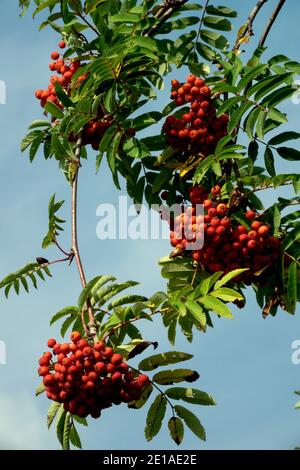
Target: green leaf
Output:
[(229, 276), (249, 76), (211, 303), (43, 5), (250, 122), (125, 18), (163, 177), (269, 161), (63, 313), (113, 150), (54, 110), (40, 389), (66, 324), (54, 224), (237, 116), (155, 417), (197, 312), (221, 11), (292, 237), (163, 359), (261, 124), (169, 377), (226, 294), (214, 39), (146, 393), (146, 120), (205, 286), (190, 395), (176, 429), (29, 138), (283, 137), (39, 123), (86, 293), (276, 220), (52, 412), (191, 421), (126, 299), (289, 153), (66, 432), (75, 438), (60, 424), (217, 23)]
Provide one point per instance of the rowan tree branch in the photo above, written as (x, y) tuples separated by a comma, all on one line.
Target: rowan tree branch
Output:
[(163, 14), (201, 23), (271, 22), (249, 23), (89, 329)]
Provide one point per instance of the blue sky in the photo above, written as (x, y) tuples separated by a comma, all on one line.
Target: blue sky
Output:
[(245, 363)]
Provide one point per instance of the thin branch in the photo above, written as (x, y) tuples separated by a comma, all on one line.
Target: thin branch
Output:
[(163, 15), (132, 320), (201, 23), (86, 21), (271, 22), (157, 388), (91, 329), (248, 29), (61, 249)]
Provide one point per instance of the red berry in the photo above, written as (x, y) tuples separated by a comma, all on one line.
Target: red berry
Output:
[(51, 343), (250, 215), (263, 230), (54, 55), (62, 44)]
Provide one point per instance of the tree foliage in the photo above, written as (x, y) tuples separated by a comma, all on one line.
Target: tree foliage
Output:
[(127, 50)]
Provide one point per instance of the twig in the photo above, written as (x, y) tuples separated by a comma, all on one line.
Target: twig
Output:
[(61, 249), (91, 328), (86, 21), (132, 320), (164, 14), (157, 388), (271, 22), (249, 23), (201, 23)]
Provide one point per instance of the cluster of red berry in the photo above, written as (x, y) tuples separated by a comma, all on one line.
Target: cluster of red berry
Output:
[(88, 379), (94, 130), (227, 245), (64, 68), (198, 130)]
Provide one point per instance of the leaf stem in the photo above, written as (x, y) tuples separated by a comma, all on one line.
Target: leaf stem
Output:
[(157, 388), (201, 24)]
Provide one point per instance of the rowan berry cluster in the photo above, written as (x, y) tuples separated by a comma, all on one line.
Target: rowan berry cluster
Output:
[(198, 130), (88, 378), (64, 74), (94, 130), (227, 244)]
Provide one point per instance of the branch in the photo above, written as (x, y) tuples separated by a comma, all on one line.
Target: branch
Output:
[(163, 14), (132, 320), (201, 23), (249, 23), (271, 22), (90, 330)]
